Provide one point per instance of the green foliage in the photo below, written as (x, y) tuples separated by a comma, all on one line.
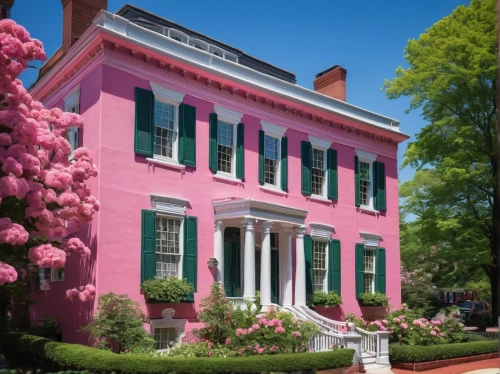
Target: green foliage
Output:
[(201, 349), (169, 290), (79, 357), (481, 321), (451, 76), (404, 353), (326, 299), (418, 297), (117, 325), (47, 328), (374, 299)]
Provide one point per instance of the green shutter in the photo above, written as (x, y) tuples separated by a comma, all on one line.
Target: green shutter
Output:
[(212, 153), (261, 157), (333, 189), (240, 151), (306, 156), (360, 270), (357, 194), (284, 163), (190, 256), (380, 271), (144, 109), (334, 280), (148, 243), (187, 135), (379, 185), (308, 254)]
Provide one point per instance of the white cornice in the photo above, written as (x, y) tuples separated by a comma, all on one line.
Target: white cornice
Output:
[(169, 205), (319, 142), (366, 156), (123, 29), (166, 94), (321, 230), (227, 115), (370, 239), (273, 129)]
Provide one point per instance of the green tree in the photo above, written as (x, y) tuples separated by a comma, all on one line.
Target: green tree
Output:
[(452, 77)]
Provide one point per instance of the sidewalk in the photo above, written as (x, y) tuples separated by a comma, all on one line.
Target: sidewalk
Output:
[(469, 368)]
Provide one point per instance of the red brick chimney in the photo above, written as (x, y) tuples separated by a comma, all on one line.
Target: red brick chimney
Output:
[(77, 15), (331, 82)]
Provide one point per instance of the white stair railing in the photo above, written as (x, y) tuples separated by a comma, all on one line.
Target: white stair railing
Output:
[(325, 323), (369, 341), (325, 341)]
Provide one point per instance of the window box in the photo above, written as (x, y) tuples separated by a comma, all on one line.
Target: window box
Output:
[(332, 312), (372, 313), (182, 310)]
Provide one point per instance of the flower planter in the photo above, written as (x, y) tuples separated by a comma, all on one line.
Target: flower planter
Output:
[(182, 310), (372, 313), (332, 312)]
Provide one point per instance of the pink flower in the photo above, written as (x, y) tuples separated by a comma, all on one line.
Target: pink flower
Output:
[(384, 321), (249, 348), (273, 348), (377, 323), (263, 321), (404, 326), (72, 294), (13, 186), (452, 329), (228, 341), (260, 350), (255, 326), (417, 322), (7, 274), (210, 354), (296, 334), (382, 328), (58, 179), (68, 199), (402, 316), (12, 233), (47, 256), (75, 245), (279, 330), (396, 320), (433, 333), (250, 330), (441, 334), (423, 326), (437, 329)]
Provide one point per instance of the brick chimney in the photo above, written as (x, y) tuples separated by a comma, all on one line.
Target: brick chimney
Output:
[(77, 15), (331, 82)]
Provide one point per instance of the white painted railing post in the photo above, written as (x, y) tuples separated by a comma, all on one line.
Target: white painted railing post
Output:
[(353, 341), (383, 347)]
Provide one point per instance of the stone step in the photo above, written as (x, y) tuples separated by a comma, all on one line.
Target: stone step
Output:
[(368, 360), (377, 369)]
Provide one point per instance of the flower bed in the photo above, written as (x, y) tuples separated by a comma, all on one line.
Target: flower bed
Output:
[(48, 355)]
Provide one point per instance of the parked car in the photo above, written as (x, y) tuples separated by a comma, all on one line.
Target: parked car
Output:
[(468, 308)]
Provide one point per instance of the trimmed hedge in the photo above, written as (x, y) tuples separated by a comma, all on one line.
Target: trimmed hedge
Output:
[(413, 353), (47, 354)]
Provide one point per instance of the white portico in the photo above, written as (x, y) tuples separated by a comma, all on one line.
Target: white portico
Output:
[(253, 243)]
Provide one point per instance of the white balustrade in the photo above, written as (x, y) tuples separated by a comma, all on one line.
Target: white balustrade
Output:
[(325, 341), (326, 324), (369, 341)]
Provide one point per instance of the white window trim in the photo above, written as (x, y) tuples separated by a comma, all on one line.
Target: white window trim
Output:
[(325, 279), (181, 239), (227, 115), (319, 143), (368, 158), (321, 231), (277, 132), (168, 96), (53, 275), (171, 206), (369, 239), (324, 195), (222, 174), (278, 169), (167, 321), (72, 99), (273, 189), (374, 249), (273, 130)]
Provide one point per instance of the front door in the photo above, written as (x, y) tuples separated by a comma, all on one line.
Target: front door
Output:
[(232, 265)]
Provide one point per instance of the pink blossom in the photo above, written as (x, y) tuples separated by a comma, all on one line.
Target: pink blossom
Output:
[(433, 333), (12, 186), (228, 341), (452, 329), (5, 139), (442, 334), (382, 328), (402, 316), (404, 326), (250, 330), (72, 294), (75, 245), (47, 256), (68, 199), (296, 334), (396, 320), (255, 326), (279, 330), (273, 348), (11, 166), (12, 233), (384, 321), (377, 323), (210, 354), (437, 329), (58, 179), (260, 350), (417, 322), (423, 325), (7, 274)]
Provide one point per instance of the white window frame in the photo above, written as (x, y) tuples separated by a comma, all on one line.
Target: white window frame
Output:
[(233, 118), (167, 321), (325, 279), (321, 145), (274, 131), (374, 249), (53, 275), (72, 104), (368, 158), (174, 98), (181, 240)]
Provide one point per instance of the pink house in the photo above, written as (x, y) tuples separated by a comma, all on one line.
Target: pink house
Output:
[(216, 166)]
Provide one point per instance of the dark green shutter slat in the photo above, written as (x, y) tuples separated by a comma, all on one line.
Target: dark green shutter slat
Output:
[(284, 163), (187, 135), (228, 269), (380, 274), (379, 185), (333, 189), (144, 109), (190, 257), (212, 153), (308, 254), (257, 270), (261, 157), (275, 277), (360, 270), (240, 151), (334, 276), (306, 156), (357, 194), (148, 243)]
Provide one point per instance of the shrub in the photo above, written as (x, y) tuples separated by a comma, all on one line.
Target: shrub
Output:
[(374, 299), (170, 289), (117, 325), (480, 320), (326, 299), (64, 356), (401, 353)]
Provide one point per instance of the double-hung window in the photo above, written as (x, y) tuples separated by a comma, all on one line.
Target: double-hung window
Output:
[(72, 105), (320, 265), (165, 337), (365, 183), (226, 146), (370, 181), (318, 172), (369, 263), (271, 160), (169, 249), (273, 152)]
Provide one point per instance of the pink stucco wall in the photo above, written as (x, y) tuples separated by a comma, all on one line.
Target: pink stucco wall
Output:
[(126, 182)]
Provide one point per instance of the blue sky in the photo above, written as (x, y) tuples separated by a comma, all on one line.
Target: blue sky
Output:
[(366, 37)]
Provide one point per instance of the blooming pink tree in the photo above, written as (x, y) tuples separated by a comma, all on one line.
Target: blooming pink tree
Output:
[(44, 197)]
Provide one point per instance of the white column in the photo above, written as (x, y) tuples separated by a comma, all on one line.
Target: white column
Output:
[(300, 268), (219, 249), (249, 259), (265, 266), (287, 291)]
